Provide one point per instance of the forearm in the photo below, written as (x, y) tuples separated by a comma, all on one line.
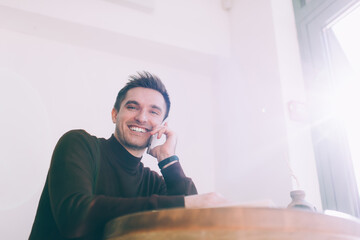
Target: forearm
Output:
[(79, 217), (176, 181)]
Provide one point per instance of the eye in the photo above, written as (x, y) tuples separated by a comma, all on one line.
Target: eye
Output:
[(154, 112), (131, 107)]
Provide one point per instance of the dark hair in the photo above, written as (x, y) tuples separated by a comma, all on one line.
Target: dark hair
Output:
[(146, 80)]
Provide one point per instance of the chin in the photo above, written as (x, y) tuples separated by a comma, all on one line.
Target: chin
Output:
[(137, 145)]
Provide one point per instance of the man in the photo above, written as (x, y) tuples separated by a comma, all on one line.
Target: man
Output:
[(93, 180)]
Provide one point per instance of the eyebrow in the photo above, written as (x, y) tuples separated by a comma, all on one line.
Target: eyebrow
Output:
[(138, 104), (156, 107), (132, 102)]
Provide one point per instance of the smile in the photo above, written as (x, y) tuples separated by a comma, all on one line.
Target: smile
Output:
[(138, 129)]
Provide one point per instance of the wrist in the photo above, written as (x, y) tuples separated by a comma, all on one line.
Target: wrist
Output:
[(169, 164), (163, 156), (168, 161)]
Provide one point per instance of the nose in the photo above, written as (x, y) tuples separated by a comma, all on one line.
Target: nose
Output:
[(141, 117)]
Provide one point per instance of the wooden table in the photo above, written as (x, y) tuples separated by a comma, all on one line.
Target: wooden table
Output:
[(231, 223)]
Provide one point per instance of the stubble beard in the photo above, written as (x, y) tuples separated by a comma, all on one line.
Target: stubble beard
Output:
[(127, 144)]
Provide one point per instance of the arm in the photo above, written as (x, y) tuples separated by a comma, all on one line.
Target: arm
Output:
[(76, 210), (176, 181)]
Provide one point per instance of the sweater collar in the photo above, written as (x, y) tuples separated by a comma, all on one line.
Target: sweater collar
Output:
[(125, 158)]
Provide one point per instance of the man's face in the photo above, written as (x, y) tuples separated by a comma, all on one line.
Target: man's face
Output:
[(141, 111)]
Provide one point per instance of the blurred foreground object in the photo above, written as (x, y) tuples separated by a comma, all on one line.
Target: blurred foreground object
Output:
[(299, 202), (231, 223)]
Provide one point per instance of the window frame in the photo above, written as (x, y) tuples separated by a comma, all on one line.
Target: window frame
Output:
[(337, 182)]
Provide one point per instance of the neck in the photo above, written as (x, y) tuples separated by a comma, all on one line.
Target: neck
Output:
[(133, 151)]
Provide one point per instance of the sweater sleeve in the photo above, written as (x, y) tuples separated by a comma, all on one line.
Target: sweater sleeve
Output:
[(176, 181), (76, 210)]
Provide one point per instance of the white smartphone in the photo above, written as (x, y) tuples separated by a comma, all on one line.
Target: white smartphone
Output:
[(154, 141)]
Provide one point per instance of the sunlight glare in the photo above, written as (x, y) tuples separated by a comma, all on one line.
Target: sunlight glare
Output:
[(347, 32)]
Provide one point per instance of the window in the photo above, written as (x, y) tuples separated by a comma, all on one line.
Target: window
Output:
[(328, 49), (346, 33)]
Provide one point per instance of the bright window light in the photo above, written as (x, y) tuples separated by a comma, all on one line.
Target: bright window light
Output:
[(347, 32)]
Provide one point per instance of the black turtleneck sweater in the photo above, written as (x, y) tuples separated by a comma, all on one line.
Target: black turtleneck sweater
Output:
[(93, 180)]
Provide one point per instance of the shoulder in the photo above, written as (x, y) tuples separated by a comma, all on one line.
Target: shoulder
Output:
[(78, 134), (77, 138), (77, 145)]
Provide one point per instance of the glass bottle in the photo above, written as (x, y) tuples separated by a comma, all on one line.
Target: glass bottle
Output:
[(299, 202)]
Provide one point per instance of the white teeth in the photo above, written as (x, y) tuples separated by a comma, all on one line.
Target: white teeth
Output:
[(137, 129)]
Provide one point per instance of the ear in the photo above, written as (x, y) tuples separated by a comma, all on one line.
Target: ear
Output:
[(114, 113)]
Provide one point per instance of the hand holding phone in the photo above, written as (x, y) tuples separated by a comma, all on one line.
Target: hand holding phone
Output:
[(162, 143), (154, 141)]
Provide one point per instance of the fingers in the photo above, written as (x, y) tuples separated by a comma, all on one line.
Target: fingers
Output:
[(160, 130), (156, 129), (166, 149)]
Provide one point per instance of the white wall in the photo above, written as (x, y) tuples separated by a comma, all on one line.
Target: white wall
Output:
[(62, 64), (199, 25), (263, 147), (255, 130)]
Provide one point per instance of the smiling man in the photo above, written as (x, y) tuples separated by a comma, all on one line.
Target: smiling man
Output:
[(93, 180), (139, 116)]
